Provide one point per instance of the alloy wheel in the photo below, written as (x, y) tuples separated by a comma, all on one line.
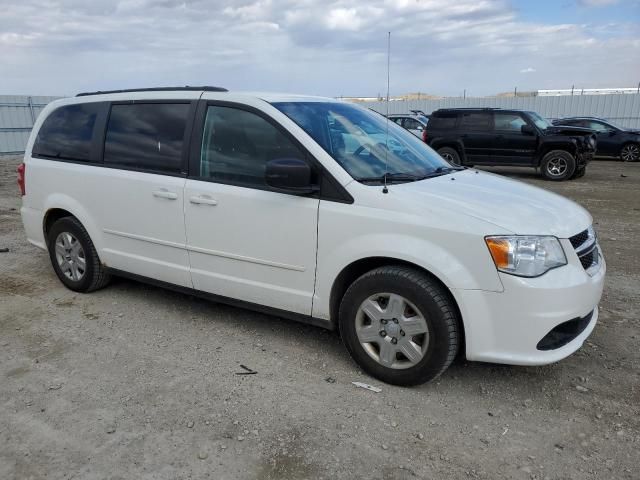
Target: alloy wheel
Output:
[(630, 153), (557, 166)]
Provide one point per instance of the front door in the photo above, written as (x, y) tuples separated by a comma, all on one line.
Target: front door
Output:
[(245, 240), (510, 145)]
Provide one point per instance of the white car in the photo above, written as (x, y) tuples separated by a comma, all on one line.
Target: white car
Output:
[(305, 208)]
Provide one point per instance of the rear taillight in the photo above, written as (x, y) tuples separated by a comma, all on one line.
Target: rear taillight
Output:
[(424, 136), (21, 174)]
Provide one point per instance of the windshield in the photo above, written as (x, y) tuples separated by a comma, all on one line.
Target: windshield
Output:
[(541, 123), (357, 139)]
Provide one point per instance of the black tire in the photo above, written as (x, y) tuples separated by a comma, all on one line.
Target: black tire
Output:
[(434, 304), (94, 275), (558, 165), (450, 154), (630, 152), (579, 173)]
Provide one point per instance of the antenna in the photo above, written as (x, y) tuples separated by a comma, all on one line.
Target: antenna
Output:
[(386, 137)]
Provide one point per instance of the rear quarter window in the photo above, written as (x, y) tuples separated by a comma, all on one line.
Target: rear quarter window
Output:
[(146, 136), (446, 121), (67, 132)]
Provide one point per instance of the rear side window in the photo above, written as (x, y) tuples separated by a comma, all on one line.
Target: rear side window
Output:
[(147, 136), (443, 121), (236, 146), (476, 121), (67, 132)]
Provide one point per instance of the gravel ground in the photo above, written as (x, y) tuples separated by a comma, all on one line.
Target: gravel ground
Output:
[(138, 382)]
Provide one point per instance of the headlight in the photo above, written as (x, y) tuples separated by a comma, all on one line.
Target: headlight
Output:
[(526, 256)]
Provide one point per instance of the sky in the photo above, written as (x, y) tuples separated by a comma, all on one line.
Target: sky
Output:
[(320, 47)]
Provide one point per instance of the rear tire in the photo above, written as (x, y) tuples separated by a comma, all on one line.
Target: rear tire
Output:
[(450, 154), (558, 165), (399, 325), (630, 152), (74, 257)]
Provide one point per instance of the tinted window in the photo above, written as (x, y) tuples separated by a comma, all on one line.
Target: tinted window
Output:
[(411, 124), (597, 126), (476, 121), (67, 131), (509, 122), (147, 136), (236, 146), (443, 121)]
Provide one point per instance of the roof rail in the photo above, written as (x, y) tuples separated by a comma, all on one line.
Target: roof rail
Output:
[(470, 108), (155, 89)]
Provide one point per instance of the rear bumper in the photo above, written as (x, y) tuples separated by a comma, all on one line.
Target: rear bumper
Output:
[(32, 222), (534, 321)]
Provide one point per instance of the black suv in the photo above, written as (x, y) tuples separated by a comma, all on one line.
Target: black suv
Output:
[(493, 136), (613, 141)]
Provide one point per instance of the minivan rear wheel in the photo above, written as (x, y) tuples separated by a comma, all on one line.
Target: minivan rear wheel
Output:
[(74, 257), (450, 154), (399, 325), (558, 165)]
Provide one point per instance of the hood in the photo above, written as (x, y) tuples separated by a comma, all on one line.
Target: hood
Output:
[(514, 206), (568, 130)]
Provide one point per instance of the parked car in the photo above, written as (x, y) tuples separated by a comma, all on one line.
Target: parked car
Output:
[(613, 141), (491, 136), (415, 122), (315, 210)]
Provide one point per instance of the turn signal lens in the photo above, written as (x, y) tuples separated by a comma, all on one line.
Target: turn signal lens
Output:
[(499, 248), (526, 255)]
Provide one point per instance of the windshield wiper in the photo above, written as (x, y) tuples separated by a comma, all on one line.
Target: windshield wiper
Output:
[(441, 171), (391, 177)]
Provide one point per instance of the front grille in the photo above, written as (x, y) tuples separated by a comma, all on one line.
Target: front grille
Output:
[(586, 248), (587, 260), (579, 238)]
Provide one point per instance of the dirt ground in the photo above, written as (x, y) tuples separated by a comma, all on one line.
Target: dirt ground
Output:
[(137, 382)]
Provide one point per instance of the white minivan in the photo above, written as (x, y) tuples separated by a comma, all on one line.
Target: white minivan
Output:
[(312, 209)]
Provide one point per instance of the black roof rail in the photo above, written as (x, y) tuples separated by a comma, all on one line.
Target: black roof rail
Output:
[(471, 108), (156, 89)]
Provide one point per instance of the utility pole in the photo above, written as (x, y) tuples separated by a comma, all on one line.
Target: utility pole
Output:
[(572, 87), (515, 91), (464, 94)]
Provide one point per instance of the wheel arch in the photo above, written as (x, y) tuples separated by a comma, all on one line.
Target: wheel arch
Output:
[(59, 206), (361, 266)]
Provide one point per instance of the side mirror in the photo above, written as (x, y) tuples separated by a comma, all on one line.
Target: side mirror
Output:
[(527, 130), (290, 175), (420, 128)]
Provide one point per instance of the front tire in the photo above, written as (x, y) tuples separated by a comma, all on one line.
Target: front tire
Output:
[(74, 257), (630, 152), (399, 325), (450, 154), (558, 165)]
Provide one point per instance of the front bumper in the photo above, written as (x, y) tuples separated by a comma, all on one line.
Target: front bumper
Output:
[(509, 326)]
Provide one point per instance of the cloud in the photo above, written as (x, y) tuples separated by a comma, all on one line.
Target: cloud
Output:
[(327, 47), (528, 70), (596, 3)]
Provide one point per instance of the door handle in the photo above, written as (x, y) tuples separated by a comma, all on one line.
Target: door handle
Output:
[(203, 200), (164, 193)]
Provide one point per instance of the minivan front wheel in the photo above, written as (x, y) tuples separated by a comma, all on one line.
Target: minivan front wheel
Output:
[(558, 165), (74, 257), (399, 325)]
